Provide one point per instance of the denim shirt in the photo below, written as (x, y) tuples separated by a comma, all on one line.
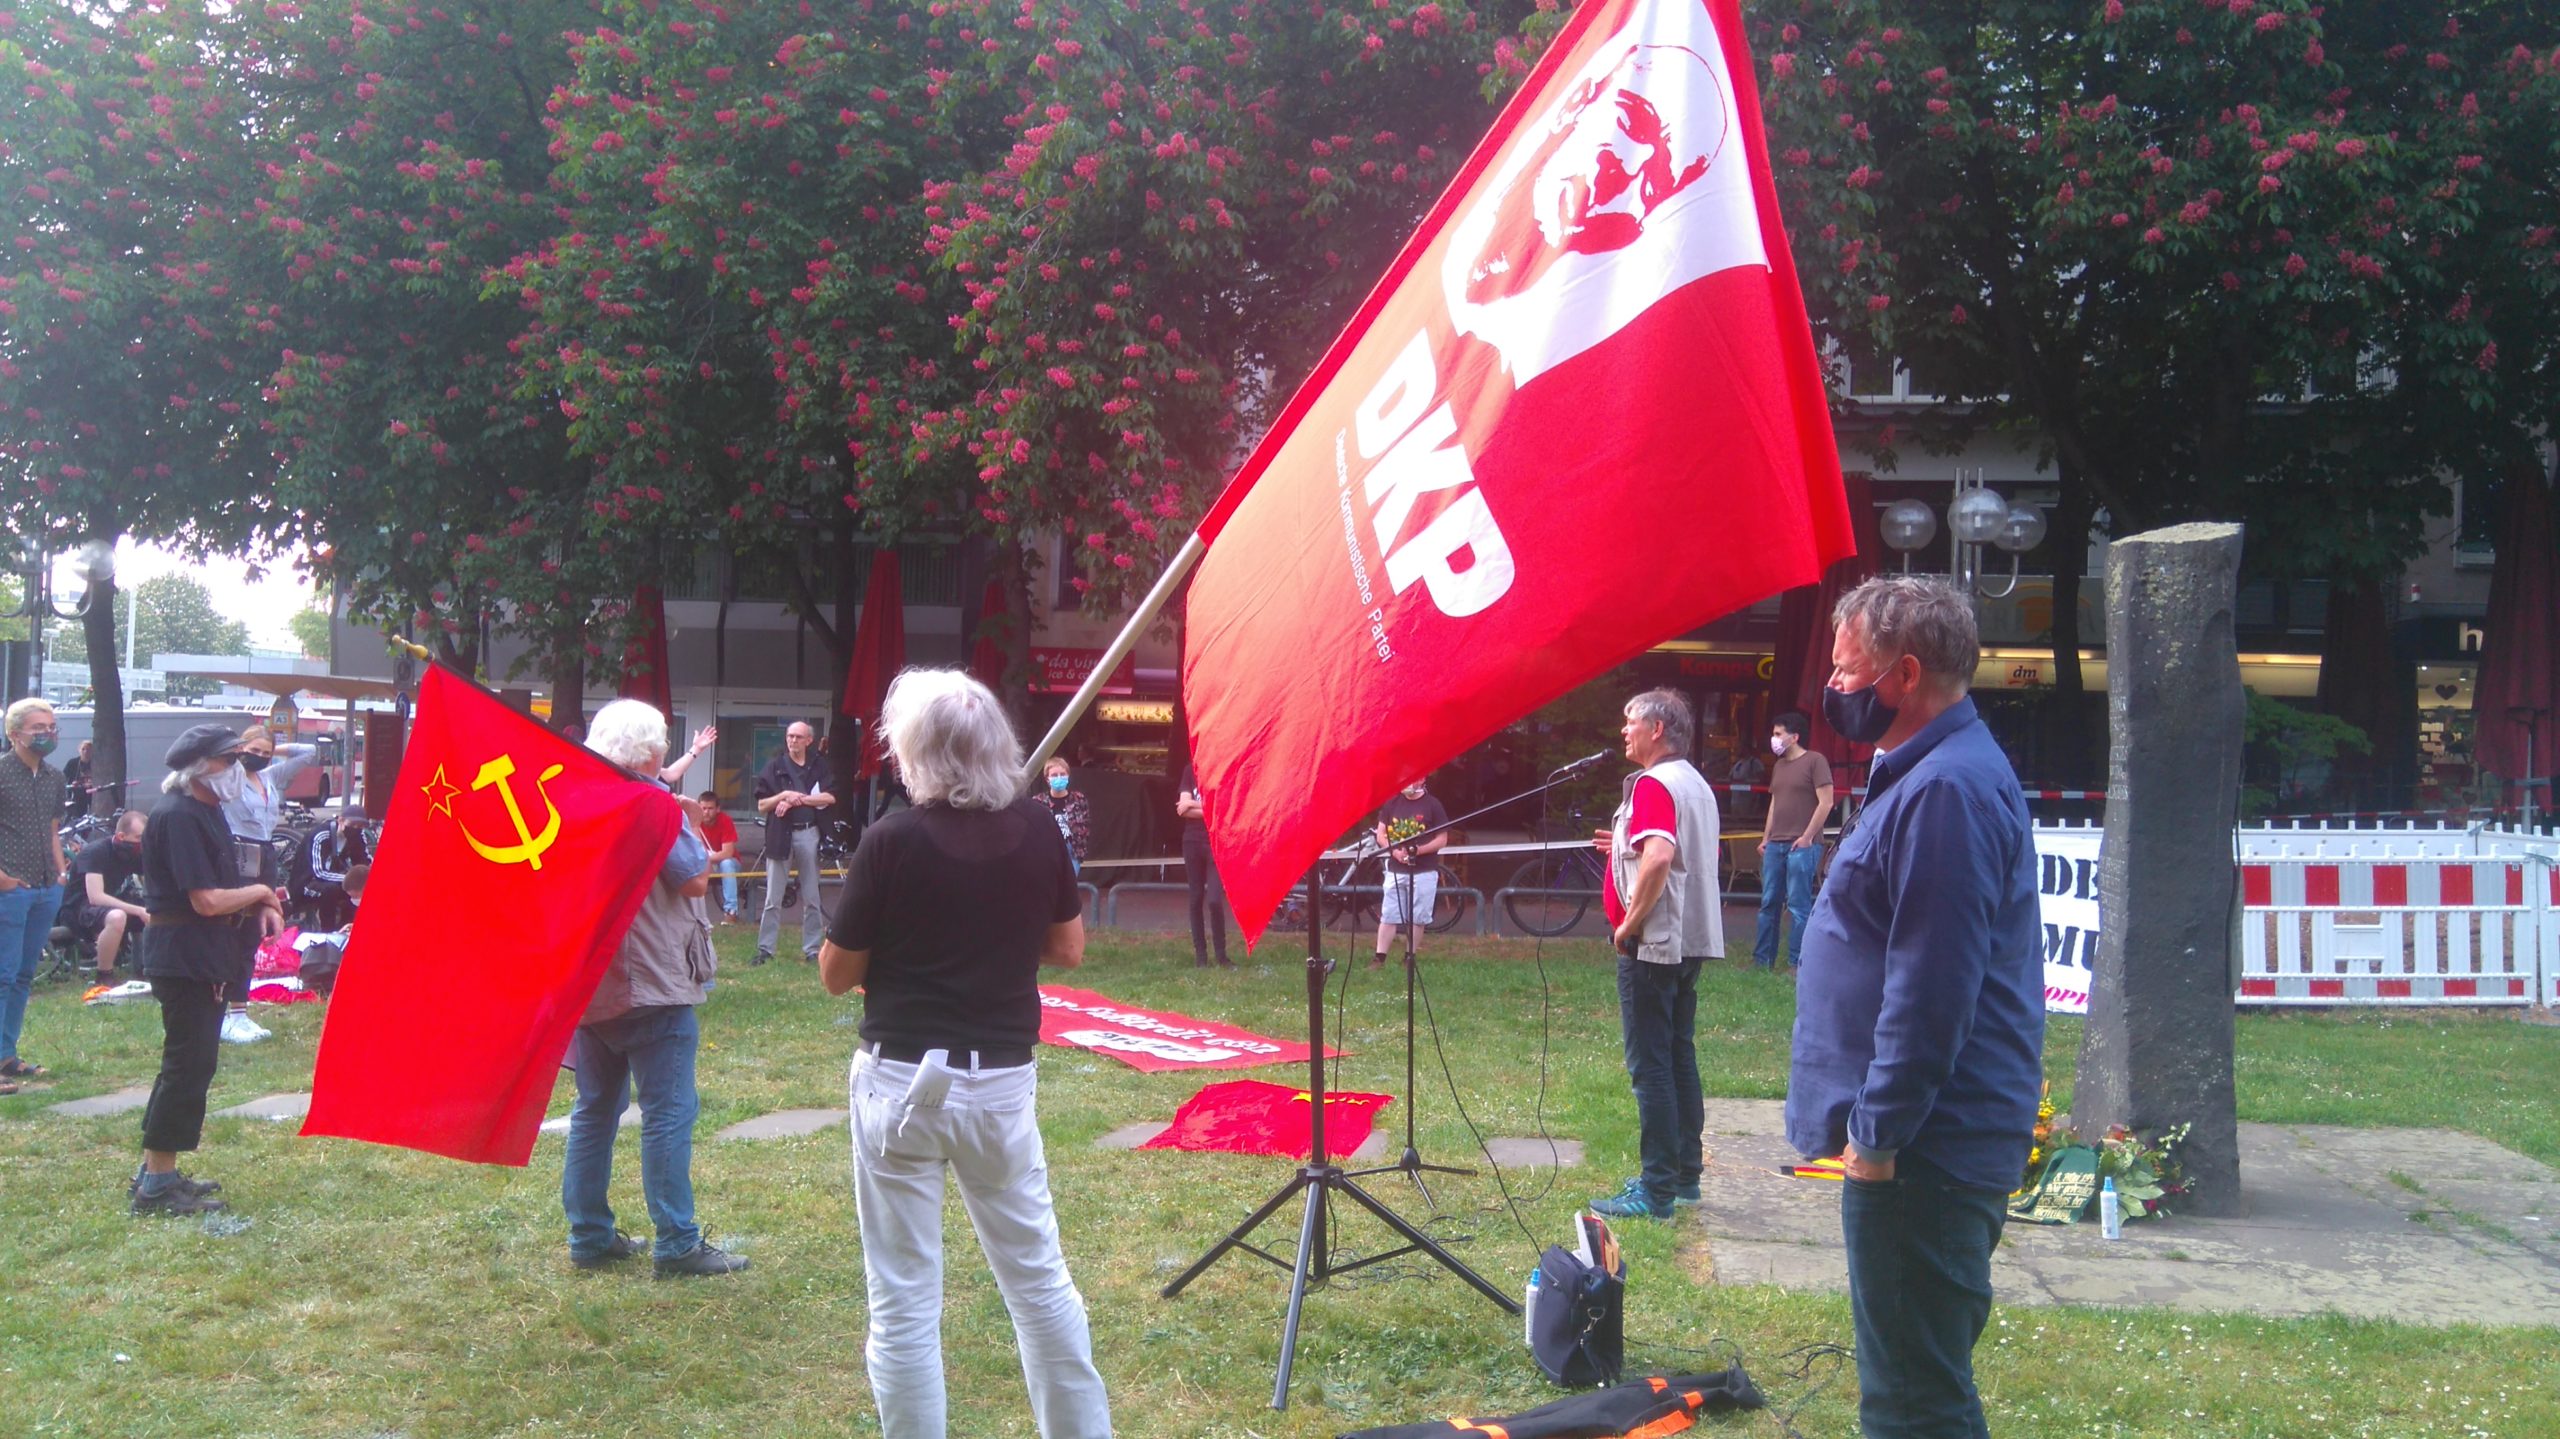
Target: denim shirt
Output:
[(1920, 1008)]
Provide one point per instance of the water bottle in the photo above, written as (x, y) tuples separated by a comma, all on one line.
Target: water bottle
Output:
[(1529, 1310), (2110, 1212)]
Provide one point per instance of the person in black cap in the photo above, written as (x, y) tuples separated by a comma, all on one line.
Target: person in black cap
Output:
[(205, 925)]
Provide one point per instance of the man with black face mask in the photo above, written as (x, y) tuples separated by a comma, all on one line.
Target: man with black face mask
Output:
[(106, 871), (1919, 1032)]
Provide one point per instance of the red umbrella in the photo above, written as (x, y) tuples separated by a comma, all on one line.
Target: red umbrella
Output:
[(879, 652), (644, 659), (2515, 703), (1804, 626)]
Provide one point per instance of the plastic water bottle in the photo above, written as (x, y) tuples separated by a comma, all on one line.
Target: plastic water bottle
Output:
[(1529, 1310), (2110, 1212)]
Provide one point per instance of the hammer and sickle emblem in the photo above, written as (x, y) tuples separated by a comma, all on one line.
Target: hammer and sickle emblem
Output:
[(529, 846)]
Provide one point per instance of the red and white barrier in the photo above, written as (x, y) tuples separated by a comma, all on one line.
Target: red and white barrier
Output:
[(2433, 929)]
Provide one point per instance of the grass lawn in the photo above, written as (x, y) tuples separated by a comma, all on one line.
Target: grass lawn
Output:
[(375, 1292)]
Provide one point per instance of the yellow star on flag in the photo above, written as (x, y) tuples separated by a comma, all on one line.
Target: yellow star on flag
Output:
[(441, 793)]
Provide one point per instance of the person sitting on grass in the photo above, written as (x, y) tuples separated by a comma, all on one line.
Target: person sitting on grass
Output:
[(949, 909), (107, 870)]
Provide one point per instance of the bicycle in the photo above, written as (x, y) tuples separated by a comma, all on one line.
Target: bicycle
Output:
[(1551, 893)]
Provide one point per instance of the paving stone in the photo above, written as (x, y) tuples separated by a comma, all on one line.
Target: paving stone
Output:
[(272, 1106), (1535, 1153), (560, 1125), (785, 1124), (123, 1101), (2325, 1229)]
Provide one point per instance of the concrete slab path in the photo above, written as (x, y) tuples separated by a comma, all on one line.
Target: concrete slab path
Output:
[(122, 1101), (2421, 1225), (786, 1124), (272, 1106)]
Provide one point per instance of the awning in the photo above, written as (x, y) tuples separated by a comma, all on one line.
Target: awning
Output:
[(285, 682)]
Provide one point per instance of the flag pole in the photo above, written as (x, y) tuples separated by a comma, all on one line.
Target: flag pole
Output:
[(1157, 598)]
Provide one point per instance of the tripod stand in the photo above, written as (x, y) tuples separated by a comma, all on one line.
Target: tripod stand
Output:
[(1320, 1179), (1410, 1163)]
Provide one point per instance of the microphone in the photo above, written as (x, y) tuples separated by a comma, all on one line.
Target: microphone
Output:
[(1586, 762)]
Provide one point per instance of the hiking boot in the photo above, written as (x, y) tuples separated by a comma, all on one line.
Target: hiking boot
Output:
[(176, 1202), (621, 1247), (707, 1258)]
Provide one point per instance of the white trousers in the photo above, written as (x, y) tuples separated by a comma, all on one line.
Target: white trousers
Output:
[(987, 1133)]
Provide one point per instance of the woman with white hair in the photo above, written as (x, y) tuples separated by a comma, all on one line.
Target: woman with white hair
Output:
[(948, 911), (640, 1034)]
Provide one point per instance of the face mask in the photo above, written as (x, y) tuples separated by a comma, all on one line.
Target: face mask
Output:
[(41, 744), (1057, 784), (1859, 716), (226, 782), (1778, 745), (1413, 793), (255, 762)]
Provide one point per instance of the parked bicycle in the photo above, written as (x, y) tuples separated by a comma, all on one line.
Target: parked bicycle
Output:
[(1552, 893), (1351, 896)]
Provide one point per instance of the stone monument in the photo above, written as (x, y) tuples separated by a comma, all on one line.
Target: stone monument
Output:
[(2156, 1051)]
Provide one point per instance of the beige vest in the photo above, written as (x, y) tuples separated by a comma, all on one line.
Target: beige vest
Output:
[(666, 957), (1688, 922)]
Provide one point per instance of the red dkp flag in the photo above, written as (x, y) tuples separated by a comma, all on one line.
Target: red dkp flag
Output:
[(512, 863), (1580, 414)]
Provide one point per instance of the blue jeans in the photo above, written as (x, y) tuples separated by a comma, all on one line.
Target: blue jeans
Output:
[(652, 1049), (1658, 1013), (1919, 1248), (1786, 881), (26, 922), (728, 886)]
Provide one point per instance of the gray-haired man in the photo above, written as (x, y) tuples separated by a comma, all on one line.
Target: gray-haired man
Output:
[(1666, 917)]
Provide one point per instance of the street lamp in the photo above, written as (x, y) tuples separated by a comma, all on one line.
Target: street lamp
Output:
[(36, 602), (1976, 516)]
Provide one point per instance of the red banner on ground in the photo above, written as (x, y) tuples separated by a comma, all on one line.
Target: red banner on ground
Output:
[(1580, 414), (511, 864), (1148, 1040), (1249, 1116)]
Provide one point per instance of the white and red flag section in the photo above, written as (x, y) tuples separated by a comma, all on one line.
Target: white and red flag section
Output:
[(1579, 415), (512, 862), (1152, 1040)]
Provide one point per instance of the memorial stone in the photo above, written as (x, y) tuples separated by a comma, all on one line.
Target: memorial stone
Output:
[(2156, 1050)]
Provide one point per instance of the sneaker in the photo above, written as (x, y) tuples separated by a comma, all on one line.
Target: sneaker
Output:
[(1629, 1204), (197, 1187), (761, 957), (707, 1258), (238, 1028), (621, 1247), (1686, 1194), (176, 1202)]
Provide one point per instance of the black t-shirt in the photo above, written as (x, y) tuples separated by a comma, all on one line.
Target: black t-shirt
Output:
[(954, 906), (1426, 809), (1193, 826), (117, 867), (187, 846), (780, 774)]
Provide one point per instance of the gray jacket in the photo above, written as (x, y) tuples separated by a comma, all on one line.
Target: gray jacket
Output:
[(665, 959)]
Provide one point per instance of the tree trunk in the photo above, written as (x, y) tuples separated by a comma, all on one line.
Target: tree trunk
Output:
[(2067, 728), (839, 636), (108, 763), (567, 675)]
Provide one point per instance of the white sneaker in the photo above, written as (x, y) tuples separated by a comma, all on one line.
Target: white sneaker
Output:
[(238, 1028)]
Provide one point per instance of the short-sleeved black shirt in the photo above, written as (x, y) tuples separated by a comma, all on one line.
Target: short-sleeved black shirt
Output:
[(1427, 809), (954, 906), (780, 774), (188, 846), (112, 865)]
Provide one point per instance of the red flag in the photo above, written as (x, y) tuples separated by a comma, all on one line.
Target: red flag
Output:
[(1580, 414), (511, 864), (1248, 1116)]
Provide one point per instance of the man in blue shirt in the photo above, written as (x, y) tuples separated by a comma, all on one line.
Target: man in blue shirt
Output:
[(1920, 1010)]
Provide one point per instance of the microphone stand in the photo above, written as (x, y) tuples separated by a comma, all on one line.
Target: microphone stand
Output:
[(1410, 1164), (1320, 1178)]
